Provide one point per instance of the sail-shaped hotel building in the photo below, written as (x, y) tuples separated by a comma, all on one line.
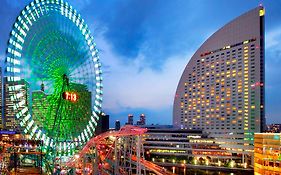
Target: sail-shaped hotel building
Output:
[(221, 90)]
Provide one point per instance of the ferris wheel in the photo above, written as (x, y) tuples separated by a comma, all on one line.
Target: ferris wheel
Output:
[(53, 75)]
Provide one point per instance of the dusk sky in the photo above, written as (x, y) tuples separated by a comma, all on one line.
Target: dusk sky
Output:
[(145, 45)]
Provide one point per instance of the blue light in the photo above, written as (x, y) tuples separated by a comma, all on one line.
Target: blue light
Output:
[(276, 137)]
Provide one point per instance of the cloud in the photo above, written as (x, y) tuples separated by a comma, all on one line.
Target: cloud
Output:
[(2, 61), (79, 5), (151, 29), (134, 84), (273, 39), (17, 4), (273, 51), (272, 67)]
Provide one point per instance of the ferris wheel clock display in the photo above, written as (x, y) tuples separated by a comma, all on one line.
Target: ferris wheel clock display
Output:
[(53, 75)]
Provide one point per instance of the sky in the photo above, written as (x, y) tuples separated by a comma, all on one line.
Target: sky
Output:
[(145, 45)]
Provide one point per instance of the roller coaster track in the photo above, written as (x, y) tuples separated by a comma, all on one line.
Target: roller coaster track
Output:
[(106, 148)]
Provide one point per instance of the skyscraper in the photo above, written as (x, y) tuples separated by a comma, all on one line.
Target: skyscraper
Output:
[(130, 119), (73, 115), (142, 119), (138, 123), (11, 123), (40, 110), (222, 87), (117, 125), (103, 124)]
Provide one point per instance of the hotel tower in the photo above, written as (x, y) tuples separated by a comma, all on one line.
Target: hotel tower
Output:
[(221, 90)]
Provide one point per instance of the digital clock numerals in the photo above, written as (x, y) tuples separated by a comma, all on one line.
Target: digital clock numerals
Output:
[(70, 96)]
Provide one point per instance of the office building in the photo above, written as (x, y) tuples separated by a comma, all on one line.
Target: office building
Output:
[(138, 123), (274, 128), (103, 124), (130, 119), (11, 123), (267, 153), (40, 108), (117, 125), (221, 90), (45, 110), (142, 119)]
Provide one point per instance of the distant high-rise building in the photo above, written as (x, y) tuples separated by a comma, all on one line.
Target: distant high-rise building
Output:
[(117, 125), (130, 119), (105, 123), (221, 90), (138, 122), (11, 123), (1, 102), (274, 128), (142, 119)]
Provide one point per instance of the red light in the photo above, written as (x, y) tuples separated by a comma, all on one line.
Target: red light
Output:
[(257, 84)]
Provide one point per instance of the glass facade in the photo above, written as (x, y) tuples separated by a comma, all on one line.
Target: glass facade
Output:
[(12, 122)]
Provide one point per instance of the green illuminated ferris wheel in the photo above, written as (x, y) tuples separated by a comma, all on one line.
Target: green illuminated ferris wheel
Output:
[(53, 76)]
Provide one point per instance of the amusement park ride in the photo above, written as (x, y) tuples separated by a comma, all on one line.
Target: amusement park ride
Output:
[(116, 152), (52, 70), (52, 53)]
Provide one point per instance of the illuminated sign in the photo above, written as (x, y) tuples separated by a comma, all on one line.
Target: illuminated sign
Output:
[(70, 96), (262, 12), (7, 132)]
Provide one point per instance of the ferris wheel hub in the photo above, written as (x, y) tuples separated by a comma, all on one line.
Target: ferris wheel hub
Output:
[(51, 51)]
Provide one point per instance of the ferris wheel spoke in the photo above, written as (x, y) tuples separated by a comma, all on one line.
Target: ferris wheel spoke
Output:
[(53, 44)]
